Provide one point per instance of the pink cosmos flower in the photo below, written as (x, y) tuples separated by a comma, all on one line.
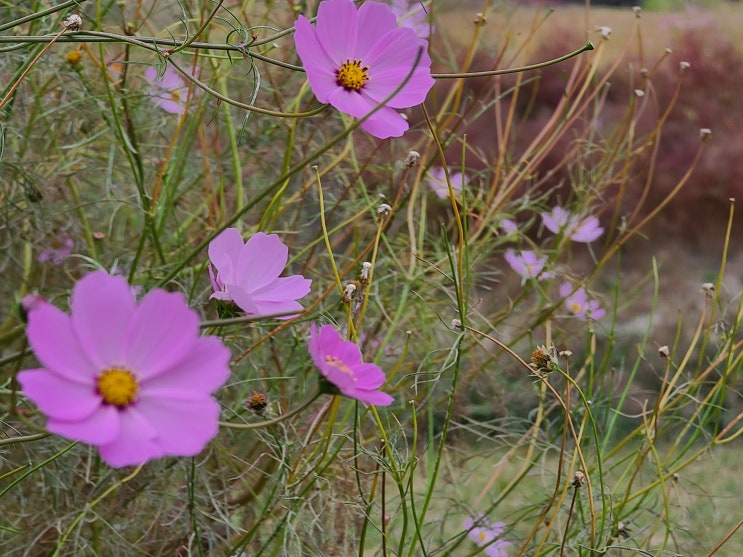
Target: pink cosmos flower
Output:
[(248, 274), (60, 247), (578, 303), (528, 264), (485, 535), (132, 379), (169, 91), (560, 221), (357, 57), (412, 14), (436, 179), (509, 227), (340, 363)]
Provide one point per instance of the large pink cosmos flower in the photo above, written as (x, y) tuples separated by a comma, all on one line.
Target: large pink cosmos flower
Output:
[(578, 303), (248, 274), (340, 363), (132, 379), (357, 57), (560, 221)]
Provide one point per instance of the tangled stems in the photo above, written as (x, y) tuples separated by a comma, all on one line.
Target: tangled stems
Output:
[(277, 420)]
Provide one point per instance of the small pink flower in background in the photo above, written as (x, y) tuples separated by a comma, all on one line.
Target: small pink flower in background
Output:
[(169, 91), (413, 15), (248, 274), (528, 264), (486, 535), (509, 227), (436, 179), (133, 380), (357, 57), (560, 221), (578, 303), (59, 247), (339, 361)]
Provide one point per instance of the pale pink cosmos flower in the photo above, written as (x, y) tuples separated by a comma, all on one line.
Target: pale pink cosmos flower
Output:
[(169, 91), (58, 248), (357, 57), (340, 363), (412, 14), (248, 274), (134, 380), (436, 179), (486, 535), (578, 303), (528, 264), (509, 226), (560, 221)]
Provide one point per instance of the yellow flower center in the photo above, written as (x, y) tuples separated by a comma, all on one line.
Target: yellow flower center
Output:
[(352, 75), (338, 364), (118, 387), (175, 96), (483, 537), (73, 57), (575, 307)]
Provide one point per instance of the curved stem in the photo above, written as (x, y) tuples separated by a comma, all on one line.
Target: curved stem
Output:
[(276, 420)]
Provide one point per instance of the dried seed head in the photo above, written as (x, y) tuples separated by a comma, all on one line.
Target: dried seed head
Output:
[(74, 57), (639, 92), (383, 211), (709, 289), (456, 325), (479, 19), (605, 31), (349, 291), (637, 10), (412, 159), (257, 402), (72, 22), (544, 359), (644, 72), (705, 134), (579, 479), (684, 66), (365, 274), (664, 352)]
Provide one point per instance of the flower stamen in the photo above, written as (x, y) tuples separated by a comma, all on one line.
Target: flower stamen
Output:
[(118, 387), (352, 76), (338, 364)]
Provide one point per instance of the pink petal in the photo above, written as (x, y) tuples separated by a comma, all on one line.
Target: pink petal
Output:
[(102, 306), (385, 123), (337, 27), (374, 21), (317, 63), (414, 92), (184, 427), (135, 444), (377, 398), (162, 330), (369, 376), (59, 398), (261, 261), (56, 346), (267, 308), (101, 427), (203, 370), (243, 299), (351, 102), (224, 252), (284, 288)]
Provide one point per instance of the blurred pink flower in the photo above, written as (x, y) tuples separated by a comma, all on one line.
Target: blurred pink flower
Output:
[(508, 226), (560, 221), (436, 179), (59, 247), (132, 379), (528, 264), (578, 303), (485, 534), (339, 361), (248, 274), (168, 91), (357, 57), (413, 15)]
